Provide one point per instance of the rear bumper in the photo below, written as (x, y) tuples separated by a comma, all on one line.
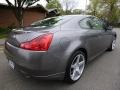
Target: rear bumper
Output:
[(35, 63), (36, 73)]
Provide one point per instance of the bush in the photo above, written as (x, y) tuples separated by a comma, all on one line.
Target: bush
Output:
[(4, 30)]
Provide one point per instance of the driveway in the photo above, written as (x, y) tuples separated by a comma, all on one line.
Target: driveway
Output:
[(103, 73)]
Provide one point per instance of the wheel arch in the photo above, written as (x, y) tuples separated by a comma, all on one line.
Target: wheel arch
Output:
[(115, 36), (84, 51)]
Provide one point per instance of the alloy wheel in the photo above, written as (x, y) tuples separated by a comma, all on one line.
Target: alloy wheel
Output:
[(113, 44), (77, 67)]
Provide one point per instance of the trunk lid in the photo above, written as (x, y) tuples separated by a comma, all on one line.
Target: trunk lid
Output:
[(17, 36)]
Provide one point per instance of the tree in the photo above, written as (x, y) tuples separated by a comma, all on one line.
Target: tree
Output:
[(111, 6), (55, 4), (69, 5), (77, 11), (93, 6), (106, 9), (64, 7), (18, 8)]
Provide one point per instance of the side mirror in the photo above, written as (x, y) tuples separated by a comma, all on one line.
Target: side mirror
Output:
[(109, 28), (106, 25)]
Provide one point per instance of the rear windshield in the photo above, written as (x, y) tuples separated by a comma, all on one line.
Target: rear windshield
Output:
[(49, 22)]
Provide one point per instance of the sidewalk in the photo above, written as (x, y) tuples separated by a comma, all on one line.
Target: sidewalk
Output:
[(2, 41)]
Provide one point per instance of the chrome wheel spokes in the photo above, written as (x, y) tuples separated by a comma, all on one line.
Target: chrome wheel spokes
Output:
[(113, 44), (77, 67)]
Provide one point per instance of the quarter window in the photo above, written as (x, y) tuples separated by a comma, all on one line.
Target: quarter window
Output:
[(96, 24), (91, 23), (84, 23)]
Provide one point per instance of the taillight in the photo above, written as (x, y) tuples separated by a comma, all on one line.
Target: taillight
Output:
[(40, 43)]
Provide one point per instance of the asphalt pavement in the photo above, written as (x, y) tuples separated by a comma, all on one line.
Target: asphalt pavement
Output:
[(103, 73)]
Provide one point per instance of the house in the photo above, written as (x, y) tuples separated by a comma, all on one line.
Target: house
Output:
[(31, 14)]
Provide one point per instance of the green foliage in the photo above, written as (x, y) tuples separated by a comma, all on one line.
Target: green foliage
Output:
[(106, 9), (68, 6), (77, 11), (93, 6), (4, 30), (54, 4), (3, 36)]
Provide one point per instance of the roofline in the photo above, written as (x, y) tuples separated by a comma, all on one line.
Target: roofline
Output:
[(79, 15), (32, 7), (38, 6)]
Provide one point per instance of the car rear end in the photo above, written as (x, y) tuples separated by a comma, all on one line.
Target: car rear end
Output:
[(31, 53), (39, 50)]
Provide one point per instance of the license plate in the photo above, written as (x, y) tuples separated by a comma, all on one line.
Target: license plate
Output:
[(11, 64)]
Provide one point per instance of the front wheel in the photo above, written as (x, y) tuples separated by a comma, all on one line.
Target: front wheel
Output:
[(75, 67)]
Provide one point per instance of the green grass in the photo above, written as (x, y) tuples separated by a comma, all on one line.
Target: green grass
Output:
[(3, 36), (4, 32)]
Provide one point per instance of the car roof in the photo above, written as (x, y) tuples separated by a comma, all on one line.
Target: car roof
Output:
[(80, 16)]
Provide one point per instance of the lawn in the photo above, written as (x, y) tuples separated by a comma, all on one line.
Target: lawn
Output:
[(3, 36)]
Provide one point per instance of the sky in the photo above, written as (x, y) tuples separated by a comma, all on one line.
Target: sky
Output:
[(80, 4)]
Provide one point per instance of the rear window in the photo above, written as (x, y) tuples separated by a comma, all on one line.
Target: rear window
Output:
[(49, 22)]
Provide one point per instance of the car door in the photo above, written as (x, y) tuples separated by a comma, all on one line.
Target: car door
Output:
[(94, 36), (104, 36)]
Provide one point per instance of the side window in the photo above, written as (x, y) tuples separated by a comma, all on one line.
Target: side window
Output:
[(96, 24), (84, 23)]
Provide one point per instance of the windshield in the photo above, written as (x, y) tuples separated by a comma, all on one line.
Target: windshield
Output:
[(49, 22)]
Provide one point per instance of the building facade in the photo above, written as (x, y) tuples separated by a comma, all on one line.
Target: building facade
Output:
[(32, 14)]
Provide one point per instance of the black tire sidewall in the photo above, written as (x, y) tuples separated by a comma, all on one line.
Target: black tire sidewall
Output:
[(67, 74)]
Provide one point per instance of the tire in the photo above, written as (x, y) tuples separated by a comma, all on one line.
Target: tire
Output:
[(75, 67), (112, 46)]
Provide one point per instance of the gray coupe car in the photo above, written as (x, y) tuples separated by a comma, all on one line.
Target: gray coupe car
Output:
[(59, 47)]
